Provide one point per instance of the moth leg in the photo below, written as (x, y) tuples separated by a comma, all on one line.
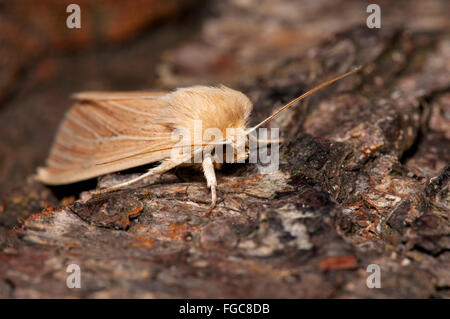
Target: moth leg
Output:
[(160, 169), (210, 175), (280, 140)]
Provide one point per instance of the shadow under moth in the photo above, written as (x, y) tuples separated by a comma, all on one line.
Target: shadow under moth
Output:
[(105, 132)]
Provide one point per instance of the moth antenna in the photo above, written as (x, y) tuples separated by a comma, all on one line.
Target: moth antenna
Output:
[(301, 97)]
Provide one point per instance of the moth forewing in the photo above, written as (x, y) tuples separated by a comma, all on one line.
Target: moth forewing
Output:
[(100, 135), (116, 96)]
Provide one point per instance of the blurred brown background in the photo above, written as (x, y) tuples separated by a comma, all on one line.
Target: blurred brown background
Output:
[(142, 44)]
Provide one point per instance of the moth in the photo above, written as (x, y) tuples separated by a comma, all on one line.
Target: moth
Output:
[(105, 132)]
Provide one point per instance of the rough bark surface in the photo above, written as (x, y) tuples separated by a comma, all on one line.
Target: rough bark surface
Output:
[(363, 179)]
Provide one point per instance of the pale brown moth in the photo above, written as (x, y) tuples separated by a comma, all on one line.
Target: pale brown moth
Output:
[(105, 132)]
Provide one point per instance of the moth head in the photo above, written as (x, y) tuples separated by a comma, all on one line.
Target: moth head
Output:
[(238, 140)]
